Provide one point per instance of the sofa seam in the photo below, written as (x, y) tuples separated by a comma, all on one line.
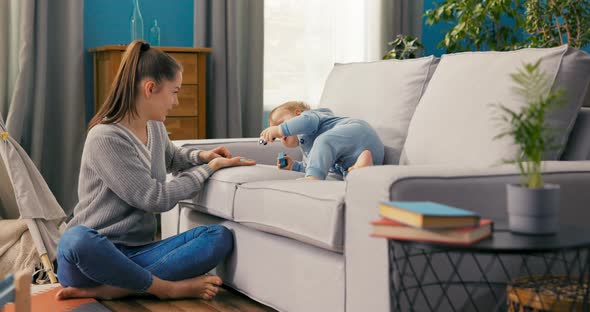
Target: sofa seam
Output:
[(291, 192), (419, 59)]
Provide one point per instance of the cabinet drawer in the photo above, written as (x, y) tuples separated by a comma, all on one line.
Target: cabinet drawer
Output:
[(189, 64), (187, 101), (181, 128)]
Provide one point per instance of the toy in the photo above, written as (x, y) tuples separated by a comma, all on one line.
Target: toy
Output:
[(262, 141), (282, 160)]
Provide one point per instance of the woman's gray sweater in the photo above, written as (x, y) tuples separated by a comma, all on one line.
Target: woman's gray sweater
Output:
[(123, 182)]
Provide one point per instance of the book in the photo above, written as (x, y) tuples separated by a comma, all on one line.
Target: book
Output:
[(43, 299), (464, 235), (428, 214)]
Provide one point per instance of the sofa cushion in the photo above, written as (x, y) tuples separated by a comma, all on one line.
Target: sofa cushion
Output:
[(308, 211), (455, 121), (217, 197), (384, 93), (578, 144)]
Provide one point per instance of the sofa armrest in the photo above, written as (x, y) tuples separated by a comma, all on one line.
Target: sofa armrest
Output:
[(478, 189), (246, 147)]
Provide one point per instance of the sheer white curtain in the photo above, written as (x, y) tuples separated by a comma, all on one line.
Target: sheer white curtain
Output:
[(304, 38)]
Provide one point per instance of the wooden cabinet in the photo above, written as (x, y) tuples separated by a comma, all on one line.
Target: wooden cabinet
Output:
[(185, 121)]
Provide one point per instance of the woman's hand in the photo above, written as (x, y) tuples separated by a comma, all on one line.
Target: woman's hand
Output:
[(221, 162), (220, 151), (269, 134), (289, 165)]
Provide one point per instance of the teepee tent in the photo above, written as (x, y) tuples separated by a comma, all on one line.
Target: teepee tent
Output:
[(25, 195)]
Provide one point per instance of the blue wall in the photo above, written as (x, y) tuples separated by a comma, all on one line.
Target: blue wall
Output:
[(432, 35), (106, 22)]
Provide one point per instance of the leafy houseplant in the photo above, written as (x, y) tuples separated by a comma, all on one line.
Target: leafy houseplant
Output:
[(511, 24), (532, 205), (404, 47), (528, 127), (556, 22)]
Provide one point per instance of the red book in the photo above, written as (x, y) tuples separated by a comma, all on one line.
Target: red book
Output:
[(463, 235)]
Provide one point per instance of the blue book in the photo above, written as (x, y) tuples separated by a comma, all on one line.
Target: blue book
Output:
[(428, 214)]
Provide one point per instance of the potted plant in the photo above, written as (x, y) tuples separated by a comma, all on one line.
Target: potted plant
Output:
[(533, 206), (503, 25), (404, 47)]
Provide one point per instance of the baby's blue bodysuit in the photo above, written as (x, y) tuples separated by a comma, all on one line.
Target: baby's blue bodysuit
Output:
[(330, 142)]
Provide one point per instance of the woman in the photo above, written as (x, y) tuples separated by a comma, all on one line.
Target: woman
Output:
[(108, 250)]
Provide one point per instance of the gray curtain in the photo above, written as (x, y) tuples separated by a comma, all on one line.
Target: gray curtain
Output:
[(387, 19), (234, 30), (9, 33), (45, 113), (407, 17)]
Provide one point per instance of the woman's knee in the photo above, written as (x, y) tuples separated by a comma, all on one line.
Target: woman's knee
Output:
[(224, 238), (76, 238)]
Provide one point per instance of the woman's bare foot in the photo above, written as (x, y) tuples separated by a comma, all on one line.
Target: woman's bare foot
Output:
[(365, 159), (100, 292), (203, 287)]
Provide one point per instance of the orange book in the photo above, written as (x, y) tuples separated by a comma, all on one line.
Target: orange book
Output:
[(463, 235)]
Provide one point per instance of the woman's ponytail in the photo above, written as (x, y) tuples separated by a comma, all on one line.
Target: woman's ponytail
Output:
[(139, 61)]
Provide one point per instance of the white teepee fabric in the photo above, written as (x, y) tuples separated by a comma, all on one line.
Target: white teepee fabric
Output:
[(24, 194)]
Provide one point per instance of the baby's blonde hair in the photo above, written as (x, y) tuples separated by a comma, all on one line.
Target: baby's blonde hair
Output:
[(291, 106)]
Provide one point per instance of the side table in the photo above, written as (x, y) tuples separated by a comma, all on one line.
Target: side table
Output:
[(442, 277)]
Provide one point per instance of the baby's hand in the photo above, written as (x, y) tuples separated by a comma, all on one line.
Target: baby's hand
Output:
[(269, 134), (289, 165)]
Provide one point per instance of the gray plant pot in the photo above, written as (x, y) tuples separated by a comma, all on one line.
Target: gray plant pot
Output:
[(533, 211)]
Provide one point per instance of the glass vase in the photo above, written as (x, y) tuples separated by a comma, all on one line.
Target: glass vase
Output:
[(136, 22)]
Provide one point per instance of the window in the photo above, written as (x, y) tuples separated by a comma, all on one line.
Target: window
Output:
[(302, 41)]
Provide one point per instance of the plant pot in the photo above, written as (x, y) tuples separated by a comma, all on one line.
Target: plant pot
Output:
[(533, 211)]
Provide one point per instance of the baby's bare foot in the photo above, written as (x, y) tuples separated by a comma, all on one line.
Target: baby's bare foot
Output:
[(204, 287), (100, 292), (311, 178), (365, 159)]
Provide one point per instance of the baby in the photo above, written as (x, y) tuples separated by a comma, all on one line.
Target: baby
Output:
[(329, 143)]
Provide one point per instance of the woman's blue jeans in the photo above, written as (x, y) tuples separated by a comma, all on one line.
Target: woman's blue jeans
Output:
[(87, 259)]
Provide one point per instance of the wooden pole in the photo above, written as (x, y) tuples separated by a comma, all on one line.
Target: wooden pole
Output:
[(22, 285), (48, 268)]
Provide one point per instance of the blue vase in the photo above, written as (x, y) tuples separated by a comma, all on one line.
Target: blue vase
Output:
[(136, 22)]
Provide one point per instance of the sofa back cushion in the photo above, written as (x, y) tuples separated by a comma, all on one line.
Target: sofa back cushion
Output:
[(383, 93), (578, 144), (455, 121)]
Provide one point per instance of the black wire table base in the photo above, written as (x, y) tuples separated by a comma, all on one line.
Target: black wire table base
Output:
[(444, 279)]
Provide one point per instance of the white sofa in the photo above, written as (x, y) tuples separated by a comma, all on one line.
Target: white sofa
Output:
[(305, 245)]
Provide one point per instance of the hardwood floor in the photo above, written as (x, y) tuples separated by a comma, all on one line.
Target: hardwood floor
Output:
[(227, 300)]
